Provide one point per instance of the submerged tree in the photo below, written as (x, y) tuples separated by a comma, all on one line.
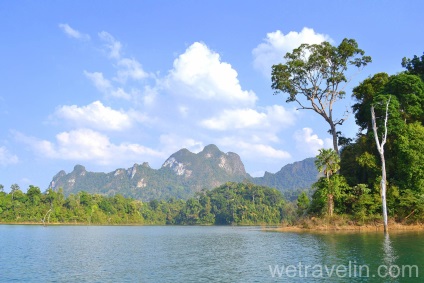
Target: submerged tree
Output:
[(318, 72), (380, 148), (328, 162)]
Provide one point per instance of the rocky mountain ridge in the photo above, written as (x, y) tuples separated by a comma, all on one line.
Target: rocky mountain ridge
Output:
[(180, 176)]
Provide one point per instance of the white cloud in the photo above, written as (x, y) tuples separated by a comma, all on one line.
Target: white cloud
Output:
[(273, 117), (310, 143), (102, 84), (277, 44), (130, 69), (252, 150), (235, 119), (88, 145), (126, 69), (120, 93), (105, 86), (112, 45), (95, 115), (267, 151), (150, 94), (73, 33), (279, 117), (6, 158), (172, 142), (200, 74)]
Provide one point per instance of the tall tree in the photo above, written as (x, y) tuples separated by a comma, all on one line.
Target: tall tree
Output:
[(328, 162), (302, 203), (380, 148), (415, 65), (410, 159), (409, 91), (365, 94), (13, 189), (318, 72)]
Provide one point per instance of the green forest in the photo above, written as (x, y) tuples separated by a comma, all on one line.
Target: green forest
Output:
[(229, 204)]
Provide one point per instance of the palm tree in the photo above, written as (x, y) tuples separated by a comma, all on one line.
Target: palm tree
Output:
[(328, 162)]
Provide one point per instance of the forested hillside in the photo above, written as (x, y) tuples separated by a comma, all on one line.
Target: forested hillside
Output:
[(231, 203), (292, 178)]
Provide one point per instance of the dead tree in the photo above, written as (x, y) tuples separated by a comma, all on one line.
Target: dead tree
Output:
[(380, 147), (47, 215)]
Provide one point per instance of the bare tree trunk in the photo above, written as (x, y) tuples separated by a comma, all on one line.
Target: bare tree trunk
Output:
[(45, 216), (380, 148), (335, 139), (383, 191)]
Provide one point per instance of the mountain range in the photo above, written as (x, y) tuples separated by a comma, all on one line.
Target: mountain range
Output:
[(181, 175)]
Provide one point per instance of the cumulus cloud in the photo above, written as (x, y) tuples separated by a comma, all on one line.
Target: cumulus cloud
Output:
[(254, 150), (274, 116), (310, 143), (73, 33), (199, 73), (7, 158), (276, 45), (88, 145), (95, 115)]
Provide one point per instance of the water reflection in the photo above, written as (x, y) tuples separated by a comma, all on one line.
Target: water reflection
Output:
[(389, 254), (389, 269), (203, 254)]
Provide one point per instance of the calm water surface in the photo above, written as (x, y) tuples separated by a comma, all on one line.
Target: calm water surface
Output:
[(204, 254)]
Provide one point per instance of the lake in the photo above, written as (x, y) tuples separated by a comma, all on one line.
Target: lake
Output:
[(31, 253)]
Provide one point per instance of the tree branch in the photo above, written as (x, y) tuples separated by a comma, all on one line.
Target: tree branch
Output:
[(385, 123), (374, 128)]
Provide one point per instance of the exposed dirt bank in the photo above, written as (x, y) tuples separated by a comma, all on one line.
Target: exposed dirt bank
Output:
[(392, 227)]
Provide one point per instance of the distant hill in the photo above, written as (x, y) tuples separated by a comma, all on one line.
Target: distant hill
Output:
[(181, 175), (298, 175)]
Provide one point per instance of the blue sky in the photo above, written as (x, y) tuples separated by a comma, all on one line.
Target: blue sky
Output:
[(107, 84)]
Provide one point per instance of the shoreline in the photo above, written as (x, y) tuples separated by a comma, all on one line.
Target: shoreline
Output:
[(267, 226), (318, 228), (393, 227)]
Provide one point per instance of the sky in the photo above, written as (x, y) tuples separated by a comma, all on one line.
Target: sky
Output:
[(107, 84)]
